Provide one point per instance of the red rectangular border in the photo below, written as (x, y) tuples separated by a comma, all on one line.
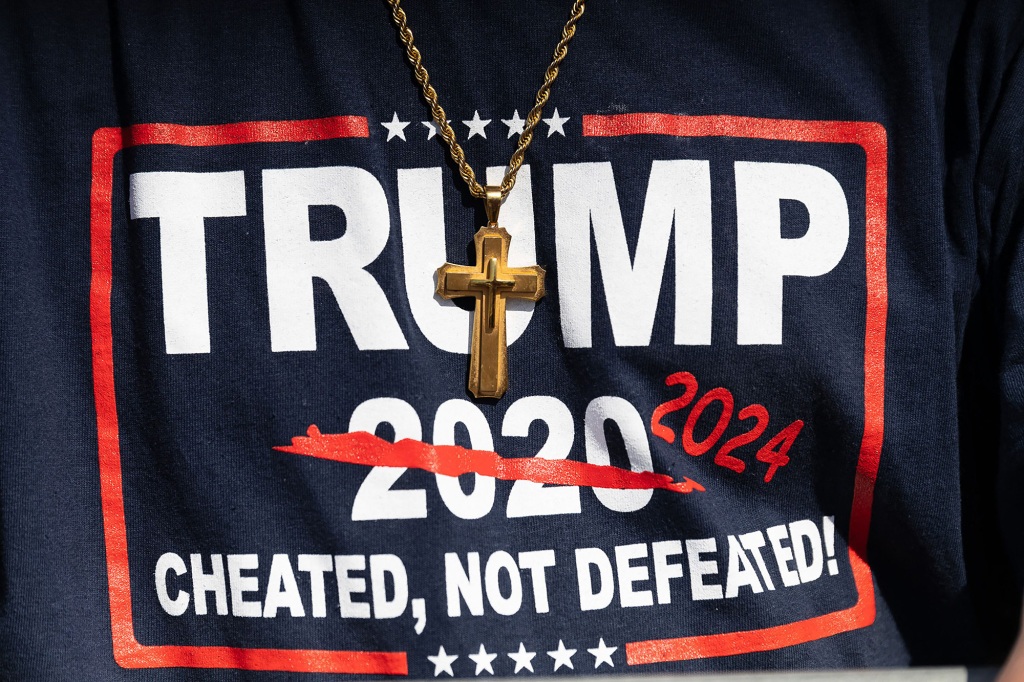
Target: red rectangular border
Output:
[(128, 652), (872, 139)]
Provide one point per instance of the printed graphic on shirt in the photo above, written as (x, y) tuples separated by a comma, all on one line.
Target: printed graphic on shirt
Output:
[(295, 477)]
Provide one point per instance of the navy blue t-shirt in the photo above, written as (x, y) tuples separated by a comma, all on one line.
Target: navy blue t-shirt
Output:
[(769, 412)]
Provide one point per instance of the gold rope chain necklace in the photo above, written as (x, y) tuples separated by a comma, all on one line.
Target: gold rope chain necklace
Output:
[(491, 281)]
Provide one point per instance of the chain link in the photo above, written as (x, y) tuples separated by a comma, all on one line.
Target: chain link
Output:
[(441, 120)]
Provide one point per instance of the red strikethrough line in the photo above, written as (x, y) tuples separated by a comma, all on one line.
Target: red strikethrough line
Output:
[(452, 460)]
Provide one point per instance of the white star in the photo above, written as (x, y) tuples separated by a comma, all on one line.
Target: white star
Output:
[(603, 654), (515, 124), (396, 128), (442, 662), (483, 660), (476, 126), (555, 123), (523, 658), (562, 656), (431, 128)]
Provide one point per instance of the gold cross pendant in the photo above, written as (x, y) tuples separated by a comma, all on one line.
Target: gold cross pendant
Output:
[(491, 282)]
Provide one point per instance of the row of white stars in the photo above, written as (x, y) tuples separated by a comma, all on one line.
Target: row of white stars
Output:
[(523, 658), (478, 126)]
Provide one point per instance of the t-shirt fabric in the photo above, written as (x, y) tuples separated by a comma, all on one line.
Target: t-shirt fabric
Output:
[(769, 412)]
